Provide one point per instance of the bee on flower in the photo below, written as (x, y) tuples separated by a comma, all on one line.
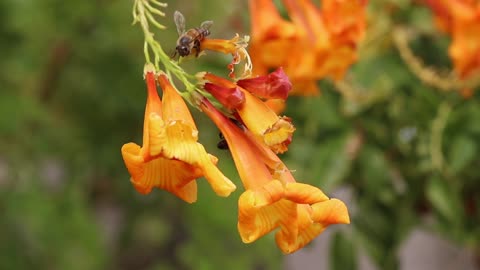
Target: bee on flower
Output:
[(189, 41), (171, 158)]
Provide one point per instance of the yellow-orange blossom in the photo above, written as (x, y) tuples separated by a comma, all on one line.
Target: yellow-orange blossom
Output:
[(171, 158), (461, 19), (273, 199), (315, 44)]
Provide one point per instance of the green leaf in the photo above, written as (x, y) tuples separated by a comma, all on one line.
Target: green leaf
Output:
[(444, 199), (375, 173), (462, 152), (332, 162), (343, 253)]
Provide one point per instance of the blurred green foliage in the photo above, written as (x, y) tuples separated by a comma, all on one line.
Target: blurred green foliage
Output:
[(71, 93)]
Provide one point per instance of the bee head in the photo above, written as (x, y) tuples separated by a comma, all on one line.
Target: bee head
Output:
[(183, 50)]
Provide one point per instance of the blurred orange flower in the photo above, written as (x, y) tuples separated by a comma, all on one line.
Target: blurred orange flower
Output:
[(273, 199), (461, 19), (275, 131), (171, 158), (315, 44)]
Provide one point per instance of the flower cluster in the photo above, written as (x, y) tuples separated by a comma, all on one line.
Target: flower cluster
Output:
[(460, 19), (272, 198), (315, 44), (171, 158)]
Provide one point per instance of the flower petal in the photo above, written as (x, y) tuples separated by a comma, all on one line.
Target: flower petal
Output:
[(273, 85), (182, 142), (172, 175), (260, 210), (231, 98), (310, 48), (304, 193), (248, 160), (309, 22), (312, 221), (329, 212), (263, 122), (174, 107), (226, 46), (171, 158), (267, 22), (276, 105)]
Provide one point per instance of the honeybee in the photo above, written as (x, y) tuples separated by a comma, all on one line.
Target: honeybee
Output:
[(189, 40)]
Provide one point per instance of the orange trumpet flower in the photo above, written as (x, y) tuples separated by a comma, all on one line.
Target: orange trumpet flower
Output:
[(276, 132), (273, 199), (171, 158), (236, 47), (461, 19), (315, 44)]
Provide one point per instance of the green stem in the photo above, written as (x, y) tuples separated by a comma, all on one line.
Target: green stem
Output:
[(144, 13), (436, 136)]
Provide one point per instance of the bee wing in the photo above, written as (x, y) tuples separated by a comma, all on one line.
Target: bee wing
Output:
[(206, 24), (179, 22)]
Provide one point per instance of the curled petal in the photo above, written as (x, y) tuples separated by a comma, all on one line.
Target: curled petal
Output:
[(260, 210), (274, 85), (275, 131), (183, 146), (304, 193), (236, 47), (279, 136), (231, 98), (329, 212), (307, 231), (171, 175), (312, 220)]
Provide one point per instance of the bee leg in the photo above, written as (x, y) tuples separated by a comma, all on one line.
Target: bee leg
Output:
[(196, 46), (222, 145)]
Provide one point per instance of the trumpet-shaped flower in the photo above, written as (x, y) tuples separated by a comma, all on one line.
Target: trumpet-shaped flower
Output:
[(461, 19), (236, 47), (273, 199), (276, 132), (313, 45), (170, 157)]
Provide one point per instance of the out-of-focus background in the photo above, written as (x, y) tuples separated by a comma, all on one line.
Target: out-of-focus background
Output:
[(403, 155)]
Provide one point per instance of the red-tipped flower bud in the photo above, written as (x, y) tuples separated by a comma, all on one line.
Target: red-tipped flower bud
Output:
[(274, 85), (231, 98)]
